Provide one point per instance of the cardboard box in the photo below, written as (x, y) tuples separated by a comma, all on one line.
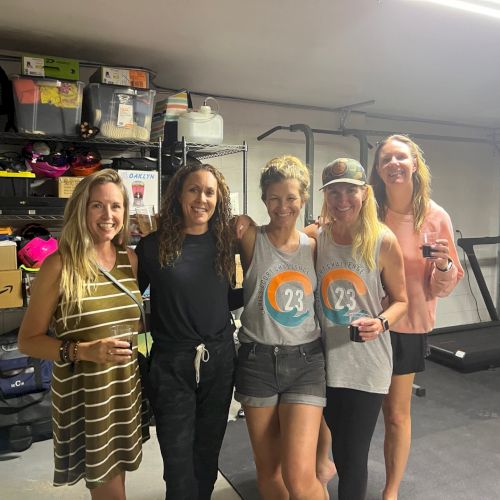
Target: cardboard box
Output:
[(66, 186), (51, 67), (124, 77), (142, 188), (8, 256), (10, 289)]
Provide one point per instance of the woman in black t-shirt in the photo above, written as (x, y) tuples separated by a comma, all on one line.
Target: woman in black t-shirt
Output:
[(189, 265)]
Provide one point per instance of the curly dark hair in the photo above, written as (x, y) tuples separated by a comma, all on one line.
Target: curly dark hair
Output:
[(171, 225)]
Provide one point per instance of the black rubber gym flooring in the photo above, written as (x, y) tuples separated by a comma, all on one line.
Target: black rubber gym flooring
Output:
[(456, 442)]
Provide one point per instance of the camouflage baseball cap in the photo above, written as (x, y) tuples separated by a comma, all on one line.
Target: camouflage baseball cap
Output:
[(344, 170)]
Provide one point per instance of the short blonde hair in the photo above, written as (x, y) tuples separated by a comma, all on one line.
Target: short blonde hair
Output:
[(283, 168)]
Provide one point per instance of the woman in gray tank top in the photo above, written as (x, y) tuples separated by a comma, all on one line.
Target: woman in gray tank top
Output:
[(280, 378), (361, 290)]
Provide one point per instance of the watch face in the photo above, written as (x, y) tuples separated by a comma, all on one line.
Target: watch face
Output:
[(385, 323)]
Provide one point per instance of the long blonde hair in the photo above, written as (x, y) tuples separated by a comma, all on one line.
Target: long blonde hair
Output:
[(366, 230), (171, 227), (76, 246), (421, 180)]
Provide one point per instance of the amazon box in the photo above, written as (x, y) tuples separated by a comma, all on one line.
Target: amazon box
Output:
[(10, 289), (8, 256)]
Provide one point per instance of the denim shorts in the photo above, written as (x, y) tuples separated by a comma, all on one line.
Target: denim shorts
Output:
[(267, 375)]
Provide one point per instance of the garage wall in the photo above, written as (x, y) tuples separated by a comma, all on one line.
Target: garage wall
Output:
[(466, 176), (466, 179)]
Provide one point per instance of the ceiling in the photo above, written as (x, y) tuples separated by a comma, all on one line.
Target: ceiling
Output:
[(413, 58)]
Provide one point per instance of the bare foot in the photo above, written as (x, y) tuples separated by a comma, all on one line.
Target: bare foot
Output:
[(325, 471), (388, 496)]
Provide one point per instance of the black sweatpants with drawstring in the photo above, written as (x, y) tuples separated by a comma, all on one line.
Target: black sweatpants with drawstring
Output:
[(190, 420)]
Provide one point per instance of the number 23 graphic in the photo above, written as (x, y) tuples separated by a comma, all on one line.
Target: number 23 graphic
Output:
[(344, 297), (298, 303)]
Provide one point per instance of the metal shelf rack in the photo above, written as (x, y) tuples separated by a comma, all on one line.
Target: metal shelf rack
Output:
[(19, 138), (54, 215)]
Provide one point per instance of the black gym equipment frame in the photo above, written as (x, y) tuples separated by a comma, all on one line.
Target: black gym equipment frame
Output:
[(476, 346)]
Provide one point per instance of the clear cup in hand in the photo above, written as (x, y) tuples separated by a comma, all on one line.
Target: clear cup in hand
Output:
[(428, 239), (146, 220), (123, 332)]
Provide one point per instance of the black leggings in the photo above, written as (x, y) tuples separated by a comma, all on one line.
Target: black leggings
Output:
[(351, 416)]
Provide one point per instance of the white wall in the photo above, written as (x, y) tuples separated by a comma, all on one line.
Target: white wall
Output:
[(466, 178)]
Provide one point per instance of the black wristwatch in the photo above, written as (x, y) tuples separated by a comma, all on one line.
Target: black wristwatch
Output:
[(385, 322)]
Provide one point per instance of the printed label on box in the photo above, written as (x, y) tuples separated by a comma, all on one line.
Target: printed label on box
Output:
[(123, 77), (142, 188), (33, 66), (138, 79), (125, 116), (66, 186)]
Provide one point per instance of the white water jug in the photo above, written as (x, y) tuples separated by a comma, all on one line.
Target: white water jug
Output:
[(203, 126)]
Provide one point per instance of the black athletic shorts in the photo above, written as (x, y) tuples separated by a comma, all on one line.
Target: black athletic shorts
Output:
[(409, 351)]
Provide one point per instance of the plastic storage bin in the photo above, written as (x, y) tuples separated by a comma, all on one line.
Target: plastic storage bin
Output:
[(47, 107), (119, 112)]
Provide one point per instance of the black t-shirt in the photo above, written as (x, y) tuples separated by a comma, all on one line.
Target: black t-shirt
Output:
[(189, 301)]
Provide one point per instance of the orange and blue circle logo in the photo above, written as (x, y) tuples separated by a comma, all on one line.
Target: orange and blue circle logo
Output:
[(286, 296), (350, 285)]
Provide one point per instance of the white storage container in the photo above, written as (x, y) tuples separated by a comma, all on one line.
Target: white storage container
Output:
[(201, 127)]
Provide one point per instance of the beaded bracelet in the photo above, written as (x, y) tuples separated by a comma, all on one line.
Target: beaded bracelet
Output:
[(64, 351), (75, 351), (61, 351), (67, 356)]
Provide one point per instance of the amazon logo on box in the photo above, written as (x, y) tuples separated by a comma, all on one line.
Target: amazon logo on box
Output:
[(10, 289)]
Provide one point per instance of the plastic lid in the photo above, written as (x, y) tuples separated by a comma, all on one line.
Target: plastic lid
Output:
[(205, 109)]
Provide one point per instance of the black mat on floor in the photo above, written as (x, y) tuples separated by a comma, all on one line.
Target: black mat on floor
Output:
[(456, 442)]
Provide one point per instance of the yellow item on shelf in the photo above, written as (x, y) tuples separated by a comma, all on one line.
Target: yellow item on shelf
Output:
[(3, 173)]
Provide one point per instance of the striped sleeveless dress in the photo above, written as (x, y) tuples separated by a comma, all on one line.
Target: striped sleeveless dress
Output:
[(97, 406)]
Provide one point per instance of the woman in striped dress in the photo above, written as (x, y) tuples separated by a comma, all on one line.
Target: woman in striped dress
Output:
[(96, 393)]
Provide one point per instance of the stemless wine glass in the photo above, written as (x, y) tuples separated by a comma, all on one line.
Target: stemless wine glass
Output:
[(123, 332), (428, 239)]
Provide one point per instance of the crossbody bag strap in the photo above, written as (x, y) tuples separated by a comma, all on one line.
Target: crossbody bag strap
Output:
[(122, 287)]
